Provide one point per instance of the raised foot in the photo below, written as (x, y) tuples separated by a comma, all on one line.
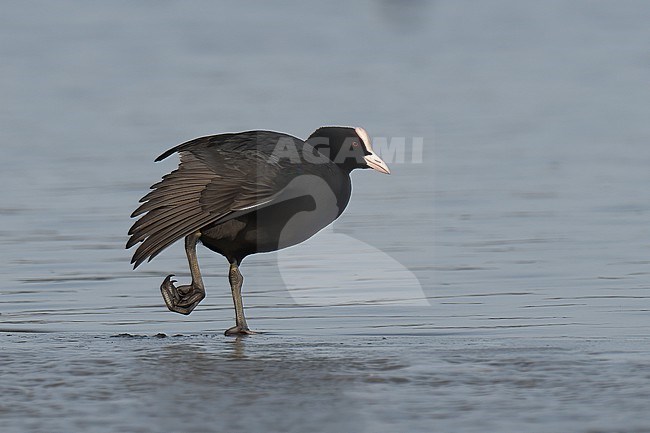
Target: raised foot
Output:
[(182, 299), (238, 330)]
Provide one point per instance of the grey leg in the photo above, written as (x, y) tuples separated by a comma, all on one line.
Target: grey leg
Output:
[(184, 299), (236, 280)]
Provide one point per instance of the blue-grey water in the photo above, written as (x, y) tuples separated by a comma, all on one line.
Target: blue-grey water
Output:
[(496, 281)]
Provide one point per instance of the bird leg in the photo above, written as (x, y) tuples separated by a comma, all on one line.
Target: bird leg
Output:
[(184, 299), (236, 280)]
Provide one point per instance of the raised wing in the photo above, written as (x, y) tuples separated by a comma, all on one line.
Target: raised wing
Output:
[(219, 177)]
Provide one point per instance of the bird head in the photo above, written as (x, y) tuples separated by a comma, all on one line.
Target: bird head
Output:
[(347, 147)]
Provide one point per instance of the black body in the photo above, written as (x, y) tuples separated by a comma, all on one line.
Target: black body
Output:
[(249, 192)]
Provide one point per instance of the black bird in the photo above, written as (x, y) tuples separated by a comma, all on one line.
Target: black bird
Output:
[(245, 193)]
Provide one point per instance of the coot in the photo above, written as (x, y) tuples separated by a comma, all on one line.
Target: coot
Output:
[(244, 193)]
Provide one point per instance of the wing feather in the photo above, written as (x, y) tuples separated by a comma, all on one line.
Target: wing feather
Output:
[(216, 179)]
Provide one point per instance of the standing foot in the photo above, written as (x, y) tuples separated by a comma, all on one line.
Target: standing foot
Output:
[(238, 330), (182, 299)]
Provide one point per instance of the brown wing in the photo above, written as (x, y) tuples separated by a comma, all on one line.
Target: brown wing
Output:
[(199, 193)]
